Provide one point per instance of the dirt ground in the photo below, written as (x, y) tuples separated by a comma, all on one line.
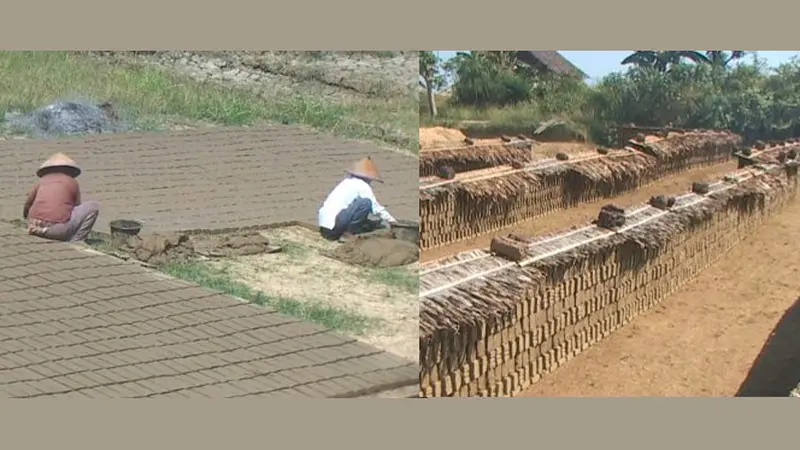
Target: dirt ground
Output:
[(709, 338), (303, 271), (583, 214)]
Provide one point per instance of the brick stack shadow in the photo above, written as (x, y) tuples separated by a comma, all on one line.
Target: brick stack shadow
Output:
[(776, 369)]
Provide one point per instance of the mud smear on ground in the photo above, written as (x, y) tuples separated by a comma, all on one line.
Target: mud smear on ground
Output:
[(157, 249)]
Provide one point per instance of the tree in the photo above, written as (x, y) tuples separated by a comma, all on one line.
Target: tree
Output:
[(721, 58), (663, 60), (482, 79), (429, 72)]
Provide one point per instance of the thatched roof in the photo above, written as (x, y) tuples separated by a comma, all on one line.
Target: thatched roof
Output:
[(552, 61)]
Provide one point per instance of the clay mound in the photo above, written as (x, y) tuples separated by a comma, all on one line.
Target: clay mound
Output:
[(440, 137), (377, 251), (160, 248)]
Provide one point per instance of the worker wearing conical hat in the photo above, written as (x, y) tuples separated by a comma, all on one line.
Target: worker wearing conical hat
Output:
[(54, 209), (351, 208)]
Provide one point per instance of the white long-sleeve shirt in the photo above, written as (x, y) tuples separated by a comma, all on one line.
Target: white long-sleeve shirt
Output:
[(342, 195)]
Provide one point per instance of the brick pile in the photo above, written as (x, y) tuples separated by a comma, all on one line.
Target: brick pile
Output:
[(473, 157), (490, 199), (491, 326)]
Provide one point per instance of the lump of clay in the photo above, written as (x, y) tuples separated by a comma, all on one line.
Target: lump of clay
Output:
[(156, 248), (611, 217), (377, 252)]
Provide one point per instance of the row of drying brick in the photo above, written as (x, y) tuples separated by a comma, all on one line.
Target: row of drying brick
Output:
[(458, 210), (495, 335)]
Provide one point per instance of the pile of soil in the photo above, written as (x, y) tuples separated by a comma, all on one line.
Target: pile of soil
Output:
[(377, 250), (164, 248), (435, 137)]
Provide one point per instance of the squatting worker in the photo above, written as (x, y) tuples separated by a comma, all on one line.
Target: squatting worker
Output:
[(349, 207), (53, 208)]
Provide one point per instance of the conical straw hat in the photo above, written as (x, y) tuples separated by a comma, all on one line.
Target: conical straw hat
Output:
[(366, 169), (59, 160)]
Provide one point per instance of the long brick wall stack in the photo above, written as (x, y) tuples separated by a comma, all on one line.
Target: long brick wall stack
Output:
[(473, 157), (481, 202), (491, 326)]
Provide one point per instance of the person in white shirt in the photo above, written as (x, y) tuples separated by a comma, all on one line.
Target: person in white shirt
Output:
[(349, 208)]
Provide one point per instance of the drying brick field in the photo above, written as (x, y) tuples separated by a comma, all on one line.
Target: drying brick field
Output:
[(223, 158), (171, 182), (80, 323), (498, 318)]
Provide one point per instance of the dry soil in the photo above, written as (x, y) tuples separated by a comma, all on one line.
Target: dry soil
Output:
[(711, 337)]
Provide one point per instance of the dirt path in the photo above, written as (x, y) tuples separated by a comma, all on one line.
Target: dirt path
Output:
[(703, 340), (587, 212)]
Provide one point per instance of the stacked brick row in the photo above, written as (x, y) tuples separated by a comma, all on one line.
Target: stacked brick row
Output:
[(497, 334), (473, 157), (464, 209)]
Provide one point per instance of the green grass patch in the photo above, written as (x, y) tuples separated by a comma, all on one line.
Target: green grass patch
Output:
[(150, 98), (294, 250), (399, 277), (493, 121), (484, 122), (311, 311)]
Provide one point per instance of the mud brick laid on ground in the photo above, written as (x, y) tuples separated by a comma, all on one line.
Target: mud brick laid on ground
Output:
[(487, 200), (214, 178), (490, 326), (78, 323)]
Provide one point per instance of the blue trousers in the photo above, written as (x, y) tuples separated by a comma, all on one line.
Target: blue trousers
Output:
[(354, 220)]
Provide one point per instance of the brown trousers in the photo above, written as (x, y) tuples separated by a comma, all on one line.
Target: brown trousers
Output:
[(78, 227)]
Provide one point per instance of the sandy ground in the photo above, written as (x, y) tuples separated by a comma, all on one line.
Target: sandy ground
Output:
[(302, 271), (585, 213), (435, 137), (709, 338)]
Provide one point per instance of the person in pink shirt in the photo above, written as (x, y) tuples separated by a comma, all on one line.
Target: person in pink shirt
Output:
[(53, 208)]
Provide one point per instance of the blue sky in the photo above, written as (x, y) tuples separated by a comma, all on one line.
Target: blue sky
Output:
[(598, 63)]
